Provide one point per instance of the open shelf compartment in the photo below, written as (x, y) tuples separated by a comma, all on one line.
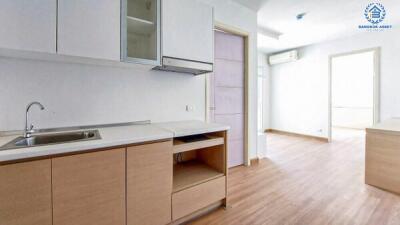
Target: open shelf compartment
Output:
[(198, 159), (191, 173), (184, 144)]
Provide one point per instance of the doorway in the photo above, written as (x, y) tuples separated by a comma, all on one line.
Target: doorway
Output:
[(354, 91), (227, 92)]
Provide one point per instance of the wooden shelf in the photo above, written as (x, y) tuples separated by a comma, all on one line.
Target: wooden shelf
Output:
[(181, 146), (191, 173), (140, 26)]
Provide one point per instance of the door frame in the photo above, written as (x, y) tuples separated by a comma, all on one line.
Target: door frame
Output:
[(376, 89), (239, 32)]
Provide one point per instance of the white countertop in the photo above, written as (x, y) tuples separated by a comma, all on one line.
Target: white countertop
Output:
[(391, 125), (112, 137), (185, 128)]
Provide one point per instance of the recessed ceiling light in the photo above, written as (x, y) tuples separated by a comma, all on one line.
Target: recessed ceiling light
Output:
[(300, 16)]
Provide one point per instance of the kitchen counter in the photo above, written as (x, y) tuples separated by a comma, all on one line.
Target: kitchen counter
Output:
[(168, 187), (391, 126), (185, 128), (111, 137)]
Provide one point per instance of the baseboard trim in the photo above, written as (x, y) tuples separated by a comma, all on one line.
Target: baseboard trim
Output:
[(297, 134), (254, 161)]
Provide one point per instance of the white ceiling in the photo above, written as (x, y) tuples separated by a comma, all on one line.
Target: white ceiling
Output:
[(325, 20), (252, 4)]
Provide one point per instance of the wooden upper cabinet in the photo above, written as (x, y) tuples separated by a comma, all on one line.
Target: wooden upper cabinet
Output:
[(149, 184), (187, 30), (28, 25), (89, 28), (25, 193), (89, 188)]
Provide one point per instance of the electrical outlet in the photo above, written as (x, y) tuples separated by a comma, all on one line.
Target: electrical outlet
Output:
[(189, 108)]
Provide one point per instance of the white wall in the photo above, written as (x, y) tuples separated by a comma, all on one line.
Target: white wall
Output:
[(262, 62), (86, 94), (299, 90), (262, 140), (75, 94)]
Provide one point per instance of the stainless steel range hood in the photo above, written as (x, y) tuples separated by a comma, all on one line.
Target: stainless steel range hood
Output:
[(184, 66)]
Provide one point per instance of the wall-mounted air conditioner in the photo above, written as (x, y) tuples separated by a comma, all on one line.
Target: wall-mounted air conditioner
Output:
[(283, 57)]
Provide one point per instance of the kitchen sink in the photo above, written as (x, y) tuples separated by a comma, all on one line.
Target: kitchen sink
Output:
[(50, 139)]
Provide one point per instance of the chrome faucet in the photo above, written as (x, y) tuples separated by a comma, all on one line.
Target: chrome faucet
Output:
[(28, 131)]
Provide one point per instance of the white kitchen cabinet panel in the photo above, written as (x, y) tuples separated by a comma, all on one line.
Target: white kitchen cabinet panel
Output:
[(89, 28), (187, 30), (28, 25)]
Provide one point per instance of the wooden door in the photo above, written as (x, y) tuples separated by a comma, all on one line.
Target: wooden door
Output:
[(227, 92), (25, 193), (89, 188), (149, 184)]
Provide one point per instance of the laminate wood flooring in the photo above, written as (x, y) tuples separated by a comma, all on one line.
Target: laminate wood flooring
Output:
[(307, 182)]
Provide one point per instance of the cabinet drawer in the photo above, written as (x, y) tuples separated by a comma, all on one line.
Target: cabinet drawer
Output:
[(192, 199)]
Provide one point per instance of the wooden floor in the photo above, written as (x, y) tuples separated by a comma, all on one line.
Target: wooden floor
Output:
[(307, 182)]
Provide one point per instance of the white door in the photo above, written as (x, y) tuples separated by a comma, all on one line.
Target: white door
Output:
[(227, 92)]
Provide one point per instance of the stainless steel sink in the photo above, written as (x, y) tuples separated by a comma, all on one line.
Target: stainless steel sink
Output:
[(49, 139)]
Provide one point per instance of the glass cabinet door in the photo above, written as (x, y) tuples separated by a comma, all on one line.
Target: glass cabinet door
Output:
[(140, 31)]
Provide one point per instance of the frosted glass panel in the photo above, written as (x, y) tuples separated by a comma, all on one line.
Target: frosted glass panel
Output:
[(141, 26)]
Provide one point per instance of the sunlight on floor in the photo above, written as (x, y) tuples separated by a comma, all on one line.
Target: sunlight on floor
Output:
[(343, 133)]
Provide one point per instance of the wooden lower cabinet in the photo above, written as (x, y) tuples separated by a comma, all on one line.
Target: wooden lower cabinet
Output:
[(149, 184), (382, 160), (89, 188), (125, 186), (25, 193), (197, 197)]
